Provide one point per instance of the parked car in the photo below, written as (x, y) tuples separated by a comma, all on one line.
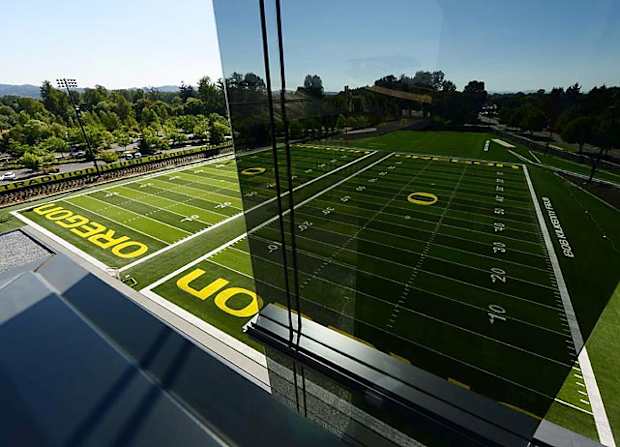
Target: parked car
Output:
[(127, 155), (137, 155), (8, 176)]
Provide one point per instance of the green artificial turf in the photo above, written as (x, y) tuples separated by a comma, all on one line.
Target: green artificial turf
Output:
[(442, 285)]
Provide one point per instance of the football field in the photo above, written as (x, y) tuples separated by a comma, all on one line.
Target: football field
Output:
[(439, 261), (122, 225)]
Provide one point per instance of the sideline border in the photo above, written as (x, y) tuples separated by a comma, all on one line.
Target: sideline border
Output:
[(601, 421)]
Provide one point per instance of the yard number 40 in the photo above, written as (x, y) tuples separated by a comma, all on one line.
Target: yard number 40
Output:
[(496, 312)]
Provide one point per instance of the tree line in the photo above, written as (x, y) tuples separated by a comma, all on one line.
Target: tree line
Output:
[(34, 130), (579, 118)]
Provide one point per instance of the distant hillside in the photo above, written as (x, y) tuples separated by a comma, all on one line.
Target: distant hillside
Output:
[(162, 88), (30, 91)]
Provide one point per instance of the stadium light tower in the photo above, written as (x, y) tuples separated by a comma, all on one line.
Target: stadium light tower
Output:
[(69, 85)]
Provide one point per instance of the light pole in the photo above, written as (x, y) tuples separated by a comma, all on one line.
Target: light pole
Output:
[(69, 85)]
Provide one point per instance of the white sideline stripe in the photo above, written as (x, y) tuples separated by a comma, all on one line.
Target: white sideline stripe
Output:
[(521, 157), (582, 176), (225, 221), (535, 157), (593, 196), (232, 342), (61, 241), (267, 222), (598, 409), (502, 143)]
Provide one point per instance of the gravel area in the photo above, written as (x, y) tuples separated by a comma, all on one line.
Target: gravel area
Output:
[(17, 249)]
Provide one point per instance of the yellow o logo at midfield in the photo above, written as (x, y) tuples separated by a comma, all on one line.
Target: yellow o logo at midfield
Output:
[(422, 198), (253, 171)]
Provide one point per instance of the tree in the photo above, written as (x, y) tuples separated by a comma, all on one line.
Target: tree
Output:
[(31, 161), (423, 79), (122, 138), (578, 131), (340, 122), (534, 120), (448, 86), (109, 156), (186, 91), (475, 96), (54, 100), (437, 79), (150, 141), (313, 85), (607, 133), (217, 131), (194, 106), (34, 131), (201, 130), (55, 145)]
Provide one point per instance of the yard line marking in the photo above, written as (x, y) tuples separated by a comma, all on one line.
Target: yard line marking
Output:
[(435, 243), (184, 203), (267, 222), (168, 210), (160, 173), (229, 219), (144, 216), (537, 244), (421, 314), (374, 297), (535, 157), (206, 191), (410, 251), (422, 270), (521, 157), (426, 347), (574, 407), (598, 409), (355, 268), (490, 217), (119, 223)]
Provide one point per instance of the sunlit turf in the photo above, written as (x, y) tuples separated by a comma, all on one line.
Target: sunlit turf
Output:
[(159, 211), (422, 282), (369, 268)]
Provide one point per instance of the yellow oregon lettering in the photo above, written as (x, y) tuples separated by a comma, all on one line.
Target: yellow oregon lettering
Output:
[(139, 250), (86, 231), (106, 240), (422, 198), (97, 234), (73, 221), (204, 293), (44, 209), (253, 171), (58, 215), (221, 301)]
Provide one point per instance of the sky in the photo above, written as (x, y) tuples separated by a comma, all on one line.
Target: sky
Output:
[(118, 44), (511, 45)]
